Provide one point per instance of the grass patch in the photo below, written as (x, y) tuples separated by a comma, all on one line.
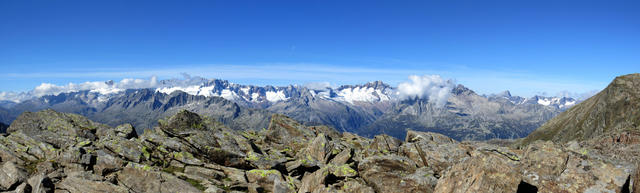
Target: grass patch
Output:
[(32, 166), (195, 183), (173, 169)]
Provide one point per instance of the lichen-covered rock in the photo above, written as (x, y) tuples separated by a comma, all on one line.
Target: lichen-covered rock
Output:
[(429, 137), (128, 149), (284, 128), (385, 144), (75, 155), (28, 148), (107, 163), (318, 150), (485, 172), (355, 186), (41, 184), (391, 174), (203, 139), (264, 178), (587, 176), (204, 172), (343, 157), (183, 123), (552, 168), (11, 175), (543, 162), (126, 131), (433, 150), (281, 186), (58, 129), (190, 153), (286, 134), (145, 179), (331, 133), (80, 185), (8, 154), (266, 160), (314, 181), (235, 176)]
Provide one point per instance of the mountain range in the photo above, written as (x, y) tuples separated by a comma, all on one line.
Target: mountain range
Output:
[(592, 147), (367, 109)]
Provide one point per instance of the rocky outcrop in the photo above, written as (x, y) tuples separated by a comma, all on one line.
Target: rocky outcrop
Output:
[(484, 172), (393, 174), (543, 167), (48, 151)]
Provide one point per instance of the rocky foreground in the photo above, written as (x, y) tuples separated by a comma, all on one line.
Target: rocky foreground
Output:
[(48, 151)]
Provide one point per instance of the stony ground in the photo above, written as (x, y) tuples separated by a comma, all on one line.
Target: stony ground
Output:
[(49, 151)]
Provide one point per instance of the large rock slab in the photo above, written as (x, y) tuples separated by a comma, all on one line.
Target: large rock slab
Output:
[(58, 129), (80, 185), (485, 172), (11, 175), (204, 139), (264, 178), (433, 150), (144, 179), (390, 174), (553, 168), (41, 184)]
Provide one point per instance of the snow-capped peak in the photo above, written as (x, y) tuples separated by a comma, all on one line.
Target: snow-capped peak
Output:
[(230, 91), (560, 102), (371, 92)]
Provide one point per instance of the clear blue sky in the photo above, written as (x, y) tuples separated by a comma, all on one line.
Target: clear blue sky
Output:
[(524, 46)]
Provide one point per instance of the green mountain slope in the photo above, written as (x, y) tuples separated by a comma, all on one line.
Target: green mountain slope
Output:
[(614, 109)]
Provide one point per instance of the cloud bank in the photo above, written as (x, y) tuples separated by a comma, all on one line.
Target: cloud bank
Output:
[(318, 85), (102, 87), (106, 87), (431, 87), (578, 96)]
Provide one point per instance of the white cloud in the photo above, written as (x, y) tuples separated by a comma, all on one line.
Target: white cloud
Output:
[(108, 87), (13, 96), (102, 87), (576, 95), (318, 85), (431, 87)]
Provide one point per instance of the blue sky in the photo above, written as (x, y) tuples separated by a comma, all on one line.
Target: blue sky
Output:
[(528, 47)]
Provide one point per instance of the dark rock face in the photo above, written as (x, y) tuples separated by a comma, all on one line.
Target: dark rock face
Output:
[(3, 128), (48, 151)]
